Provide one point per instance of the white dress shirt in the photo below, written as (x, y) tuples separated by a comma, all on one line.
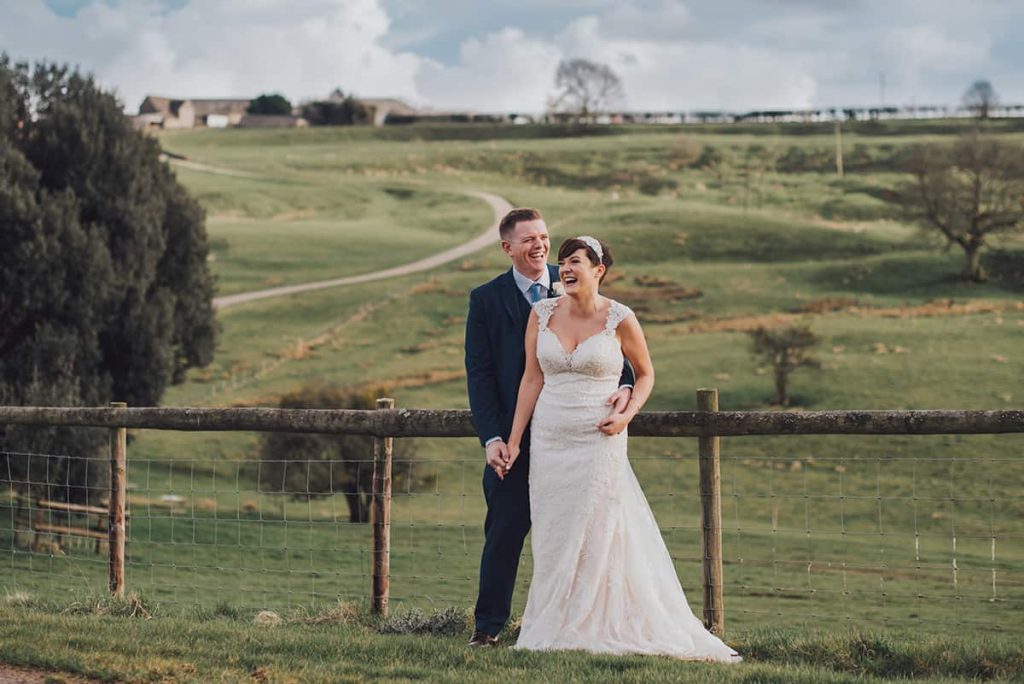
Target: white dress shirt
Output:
[(524, 283)]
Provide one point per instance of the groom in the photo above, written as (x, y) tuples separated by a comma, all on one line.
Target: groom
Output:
[(495, 361)]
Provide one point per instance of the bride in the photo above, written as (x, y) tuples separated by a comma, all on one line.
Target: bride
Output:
[(603, 580)]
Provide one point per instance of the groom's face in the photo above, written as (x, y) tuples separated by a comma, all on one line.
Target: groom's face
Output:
[(528, 246)]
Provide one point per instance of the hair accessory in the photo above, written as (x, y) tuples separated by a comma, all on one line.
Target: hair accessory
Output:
[(594, 245)]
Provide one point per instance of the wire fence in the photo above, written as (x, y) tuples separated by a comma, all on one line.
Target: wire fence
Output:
[(924, 541), (921, 532)]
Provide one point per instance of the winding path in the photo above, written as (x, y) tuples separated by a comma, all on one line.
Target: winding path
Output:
[(500, 205)]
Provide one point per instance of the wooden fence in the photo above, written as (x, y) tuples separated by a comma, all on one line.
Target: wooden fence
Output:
[(707, 424)]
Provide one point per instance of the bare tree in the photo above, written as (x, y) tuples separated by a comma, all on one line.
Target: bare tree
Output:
[(786, 349), (967, 192), (980, 98), (585, 88)]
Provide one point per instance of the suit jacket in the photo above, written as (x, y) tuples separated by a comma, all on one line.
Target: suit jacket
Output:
[(496, 354)]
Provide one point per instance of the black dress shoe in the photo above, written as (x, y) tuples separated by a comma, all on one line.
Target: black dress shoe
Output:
[(483, 639)]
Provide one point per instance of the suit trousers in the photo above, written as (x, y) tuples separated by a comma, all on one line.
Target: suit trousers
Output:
[(505, 529)]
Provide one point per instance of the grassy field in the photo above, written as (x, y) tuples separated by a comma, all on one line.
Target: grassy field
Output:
[(111, 641), (713, 232)]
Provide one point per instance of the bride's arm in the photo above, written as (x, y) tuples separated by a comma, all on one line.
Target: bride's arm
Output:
[(634, 348), (529, 389)]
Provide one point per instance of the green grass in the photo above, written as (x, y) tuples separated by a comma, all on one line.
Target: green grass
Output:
[(826, 533), (265, 233), (223, 645)]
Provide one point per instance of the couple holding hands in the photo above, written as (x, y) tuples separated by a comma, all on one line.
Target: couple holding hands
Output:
[(555, 373)]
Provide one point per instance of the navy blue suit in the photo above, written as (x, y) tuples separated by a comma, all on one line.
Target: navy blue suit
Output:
[(495, 361)]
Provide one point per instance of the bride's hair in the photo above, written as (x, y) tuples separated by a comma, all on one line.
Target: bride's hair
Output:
[(572, 244)]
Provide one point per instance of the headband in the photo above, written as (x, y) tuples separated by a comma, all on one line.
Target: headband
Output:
[(594, 245)]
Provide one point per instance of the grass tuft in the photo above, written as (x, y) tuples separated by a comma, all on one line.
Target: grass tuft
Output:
[(449, 622), (344, 613), (18, 598), (267, 618), (131, 606)]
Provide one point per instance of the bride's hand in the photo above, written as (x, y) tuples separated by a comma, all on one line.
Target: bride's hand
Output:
[(614, 423), (513, 454)]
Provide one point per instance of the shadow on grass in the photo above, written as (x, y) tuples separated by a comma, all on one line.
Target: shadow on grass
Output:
[(890, 656), (912, 275), (1006, 268)]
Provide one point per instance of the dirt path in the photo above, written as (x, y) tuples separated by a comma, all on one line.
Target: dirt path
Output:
[(206, 168), (499, 205), (486, 239), (13, 674)]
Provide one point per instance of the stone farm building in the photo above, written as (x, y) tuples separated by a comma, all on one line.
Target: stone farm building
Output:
[(176, 113), (170, 113)]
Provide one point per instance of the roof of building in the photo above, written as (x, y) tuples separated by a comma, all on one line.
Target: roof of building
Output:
[(391, 104), (155, 104), (201, 106), (206, 106)]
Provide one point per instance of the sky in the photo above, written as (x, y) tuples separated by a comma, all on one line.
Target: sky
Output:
[(501, 55)]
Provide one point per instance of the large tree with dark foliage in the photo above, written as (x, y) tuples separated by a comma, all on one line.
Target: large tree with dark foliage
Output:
[(305, 467), (273, 104), (340, 110), (105, 293)]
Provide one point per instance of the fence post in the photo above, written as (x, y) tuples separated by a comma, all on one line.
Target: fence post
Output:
[(382, 449), (118, 488), (711, 519)]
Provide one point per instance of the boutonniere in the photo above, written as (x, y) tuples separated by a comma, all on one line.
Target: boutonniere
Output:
[(557, 289)]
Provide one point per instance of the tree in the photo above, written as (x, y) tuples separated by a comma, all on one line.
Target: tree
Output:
[(585, 89), (785, 349), (273, 104), (980, 98), (966, 193), (343, 111), (306, 467), (105, 293)]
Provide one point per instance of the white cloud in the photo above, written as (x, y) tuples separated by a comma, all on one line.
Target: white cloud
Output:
[(224, 48), (671, 54), (665, 21), (512, 71), (687, 75), (925, 50), (506, 71)]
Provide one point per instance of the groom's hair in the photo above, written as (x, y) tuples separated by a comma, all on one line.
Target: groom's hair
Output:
[(508, 223)]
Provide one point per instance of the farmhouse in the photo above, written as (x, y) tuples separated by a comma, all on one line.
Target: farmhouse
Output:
[(381, 108), (170, 113), (391, 110)]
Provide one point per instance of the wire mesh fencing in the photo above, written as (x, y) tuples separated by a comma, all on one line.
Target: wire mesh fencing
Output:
[(832, 531), (931, 541)]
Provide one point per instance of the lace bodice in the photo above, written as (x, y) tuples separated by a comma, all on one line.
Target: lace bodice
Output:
[(598, 356)]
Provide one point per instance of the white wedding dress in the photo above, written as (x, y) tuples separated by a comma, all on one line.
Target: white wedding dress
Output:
[(603, 580)]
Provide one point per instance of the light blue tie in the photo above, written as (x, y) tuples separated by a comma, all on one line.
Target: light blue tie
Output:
[(535, 293)]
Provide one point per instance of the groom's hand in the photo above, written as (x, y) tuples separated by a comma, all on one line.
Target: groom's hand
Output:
[(620, 400), (497, 457), (613, 424)]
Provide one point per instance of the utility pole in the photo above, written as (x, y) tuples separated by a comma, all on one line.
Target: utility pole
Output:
[(839, 148)]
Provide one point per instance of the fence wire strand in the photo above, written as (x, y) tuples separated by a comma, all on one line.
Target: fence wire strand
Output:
[(858, 539)]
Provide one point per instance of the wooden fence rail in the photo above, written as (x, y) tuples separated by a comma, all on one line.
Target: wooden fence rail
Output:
[(459, 423), (708, 424)]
